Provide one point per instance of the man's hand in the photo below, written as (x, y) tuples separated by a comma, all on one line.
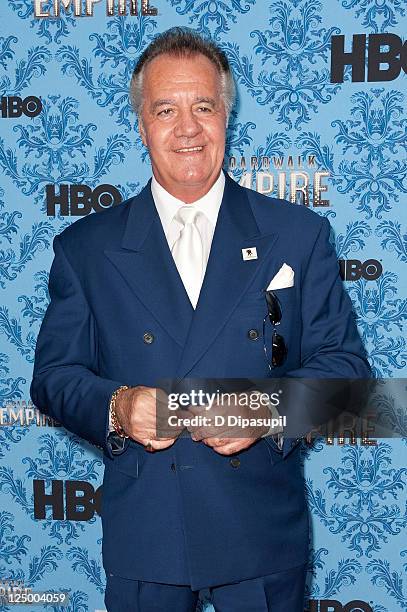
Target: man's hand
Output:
[(225, 439), (137, 410)]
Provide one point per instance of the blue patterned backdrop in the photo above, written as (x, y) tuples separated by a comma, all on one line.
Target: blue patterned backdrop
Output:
[(338, 147)]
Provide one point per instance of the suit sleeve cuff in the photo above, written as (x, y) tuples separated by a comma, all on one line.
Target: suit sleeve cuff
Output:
[(273, 430)]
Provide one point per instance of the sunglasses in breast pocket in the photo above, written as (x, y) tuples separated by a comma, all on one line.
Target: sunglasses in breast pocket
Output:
[(278, 346)]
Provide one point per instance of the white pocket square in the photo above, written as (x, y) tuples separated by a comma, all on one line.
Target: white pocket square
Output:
[(283, 279)]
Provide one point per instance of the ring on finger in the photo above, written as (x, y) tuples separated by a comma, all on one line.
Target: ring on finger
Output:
[(149, 446)]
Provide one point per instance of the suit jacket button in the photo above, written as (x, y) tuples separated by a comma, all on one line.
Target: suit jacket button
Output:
[(148, 337), (253, 334), (235, 462)]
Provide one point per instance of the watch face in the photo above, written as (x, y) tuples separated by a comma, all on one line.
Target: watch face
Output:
[(117, 444)]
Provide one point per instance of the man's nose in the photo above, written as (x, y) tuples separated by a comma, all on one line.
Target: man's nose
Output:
[(187, 124)]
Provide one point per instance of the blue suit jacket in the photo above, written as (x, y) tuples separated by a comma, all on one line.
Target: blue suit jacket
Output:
[(187, 515)]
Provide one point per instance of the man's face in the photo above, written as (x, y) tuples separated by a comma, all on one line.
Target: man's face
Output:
[(183, 124)]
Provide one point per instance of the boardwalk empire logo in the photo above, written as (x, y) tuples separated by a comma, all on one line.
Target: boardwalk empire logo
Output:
[(84, 8), (293, 177)]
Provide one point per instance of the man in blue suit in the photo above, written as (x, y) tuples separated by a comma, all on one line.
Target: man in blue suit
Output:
[(170, 285)]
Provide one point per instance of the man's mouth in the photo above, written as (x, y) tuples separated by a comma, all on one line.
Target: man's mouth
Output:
[(189, 150)]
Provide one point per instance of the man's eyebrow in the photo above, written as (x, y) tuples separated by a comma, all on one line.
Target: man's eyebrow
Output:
[(169, 102), (207, 100), (159, 103)]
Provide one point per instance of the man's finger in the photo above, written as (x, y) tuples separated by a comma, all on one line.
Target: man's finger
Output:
[(214, 442), (202, 408), (226, 450), (152, 445)]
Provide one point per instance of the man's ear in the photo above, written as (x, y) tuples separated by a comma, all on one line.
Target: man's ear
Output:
[(142, 131)]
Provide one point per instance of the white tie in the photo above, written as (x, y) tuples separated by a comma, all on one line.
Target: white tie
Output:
[(187, 251)]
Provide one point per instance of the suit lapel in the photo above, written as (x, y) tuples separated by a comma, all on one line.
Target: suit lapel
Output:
[(227, 276), (145, 262)]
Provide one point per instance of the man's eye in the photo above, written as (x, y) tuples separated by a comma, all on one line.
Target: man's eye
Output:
[(165, 112), (204, 108)]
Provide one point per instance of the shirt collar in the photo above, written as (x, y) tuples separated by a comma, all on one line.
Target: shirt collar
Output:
[(167, 205)]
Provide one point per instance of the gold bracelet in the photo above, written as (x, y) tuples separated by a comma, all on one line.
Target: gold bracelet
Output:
[(113, 416)]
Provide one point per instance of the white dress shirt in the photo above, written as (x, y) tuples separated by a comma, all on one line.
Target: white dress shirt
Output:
[(167, 207)]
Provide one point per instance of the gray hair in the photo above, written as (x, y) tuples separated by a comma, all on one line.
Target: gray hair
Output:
[(183, 42)]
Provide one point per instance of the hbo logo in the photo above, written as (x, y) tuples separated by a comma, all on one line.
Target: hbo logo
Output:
[(333, 605), (386, 57), (79, 200), (353, 269), (71, 500), (12, 107)]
